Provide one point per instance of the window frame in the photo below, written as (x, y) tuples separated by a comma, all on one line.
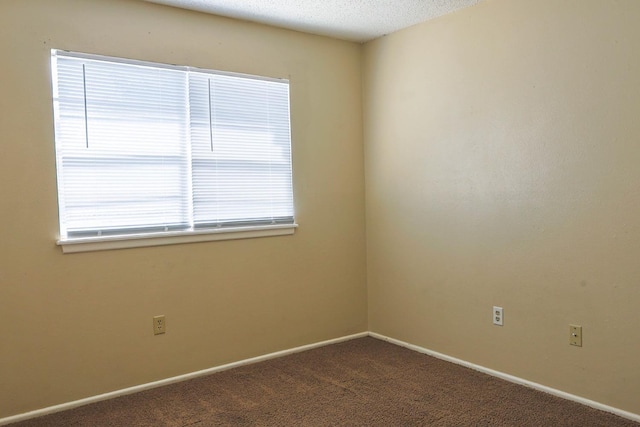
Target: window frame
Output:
[(157, 238), (90, 244)]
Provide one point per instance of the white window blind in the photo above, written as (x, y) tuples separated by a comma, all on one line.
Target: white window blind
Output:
[(147, 148)]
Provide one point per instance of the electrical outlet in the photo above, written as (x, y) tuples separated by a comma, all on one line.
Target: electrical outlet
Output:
[(575, 335), (498, 316), (159, 325)]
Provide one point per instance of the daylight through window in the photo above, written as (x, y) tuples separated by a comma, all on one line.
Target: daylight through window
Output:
[(144, 148)]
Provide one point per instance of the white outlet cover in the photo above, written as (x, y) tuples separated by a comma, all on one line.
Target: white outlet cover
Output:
[(498, 316)]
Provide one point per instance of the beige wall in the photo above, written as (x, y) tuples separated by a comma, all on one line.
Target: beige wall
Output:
[(502, 167), (72, 326)]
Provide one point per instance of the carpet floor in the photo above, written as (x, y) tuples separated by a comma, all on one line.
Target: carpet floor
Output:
[(363, 382)]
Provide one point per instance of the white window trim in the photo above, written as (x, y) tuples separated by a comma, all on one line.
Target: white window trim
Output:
[(104, 243)]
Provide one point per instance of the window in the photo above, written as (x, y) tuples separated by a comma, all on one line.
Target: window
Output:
[(152, 151)]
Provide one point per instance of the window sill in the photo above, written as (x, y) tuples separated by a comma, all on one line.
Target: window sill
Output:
[(91, 244)]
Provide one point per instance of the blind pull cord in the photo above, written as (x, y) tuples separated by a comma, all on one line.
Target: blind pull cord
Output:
[(86, 117)]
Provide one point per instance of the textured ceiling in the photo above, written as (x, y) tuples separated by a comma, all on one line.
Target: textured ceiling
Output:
[(354, 20)]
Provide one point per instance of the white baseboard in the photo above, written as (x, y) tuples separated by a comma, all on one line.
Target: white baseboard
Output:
[(511, 378), (167, 381)]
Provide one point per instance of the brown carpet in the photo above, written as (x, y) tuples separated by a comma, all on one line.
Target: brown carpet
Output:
[(363, 382)]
